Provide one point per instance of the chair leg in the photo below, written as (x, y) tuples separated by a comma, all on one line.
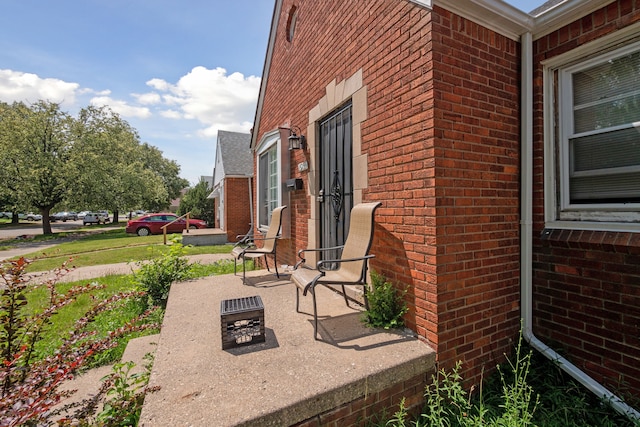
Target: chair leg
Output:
[(275, 265), (365, 291), (244, 271), (344, 294), (235, 265), (266, 262), (315, 313), (297, 299)]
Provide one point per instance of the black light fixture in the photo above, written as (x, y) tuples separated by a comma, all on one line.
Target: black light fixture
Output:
[(297, 141)]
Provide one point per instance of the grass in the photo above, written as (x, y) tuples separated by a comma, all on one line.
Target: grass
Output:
[(109, 247)]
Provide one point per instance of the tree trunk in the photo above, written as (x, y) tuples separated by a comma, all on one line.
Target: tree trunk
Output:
[(15, 219), (115, 216), (46, 224)]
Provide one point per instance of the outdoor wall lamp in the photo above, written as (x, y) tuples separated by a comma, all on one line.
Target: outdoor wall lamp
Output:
[(296, 140)]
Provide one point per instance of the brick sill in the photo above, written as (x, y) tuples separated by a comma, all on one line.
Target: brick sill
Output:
[(621, 242)]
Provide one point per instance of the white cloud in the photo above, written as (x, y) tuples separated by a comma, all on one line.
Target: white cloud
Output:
[(19, 86), (121, 107), (150, 98), (215, 99), (171, 114)]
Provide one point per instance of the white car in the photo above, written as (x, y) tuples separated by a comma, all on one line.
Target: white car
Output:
[(82, 214), (95, 218), (33, 217)]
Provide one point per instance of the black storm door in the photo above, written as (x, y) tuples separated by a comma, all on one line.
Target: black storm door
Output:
[(336, 178)]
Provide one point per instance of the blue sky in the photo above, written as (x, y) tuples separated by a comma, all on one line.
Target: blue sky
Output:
[(177, 71)]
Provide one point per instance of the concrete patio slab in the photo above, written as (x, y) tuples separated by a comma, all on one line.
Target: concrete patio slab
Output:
[(286, 380)]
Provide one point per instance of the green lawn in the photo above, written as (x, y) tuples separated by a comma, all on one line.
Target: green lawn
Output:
[(109, 247)]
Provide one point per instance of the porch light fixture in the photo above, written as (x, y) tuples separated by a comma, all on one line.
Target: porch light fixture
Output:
[(297, 141)]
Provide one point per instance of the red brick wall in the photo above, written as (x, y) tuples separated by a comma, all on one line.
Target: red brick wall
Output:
[(442, 140), (477, 183), (237, 210), (586, 283), (375, 407)]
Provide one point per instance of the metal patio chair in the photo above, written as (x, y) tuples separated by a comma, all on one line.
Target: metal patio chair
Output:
[(250, 250), (349, 270)]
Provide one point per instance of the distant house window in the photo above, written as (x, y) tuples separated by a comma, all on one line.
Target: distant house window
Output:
[(268, 180), (597, 149), (291, 23)]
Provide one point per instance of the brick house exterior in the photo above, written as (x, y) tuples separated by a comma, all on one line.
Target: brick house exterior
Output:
[(232, 177), (441, 110)]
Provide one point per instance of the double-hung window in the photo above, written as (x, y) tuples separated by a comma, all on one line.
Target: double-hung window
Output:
[(269, 179), (596, 136)]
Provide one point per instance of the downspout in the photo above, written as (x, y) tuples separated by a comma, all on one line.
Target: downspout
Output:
[(526, 242), (249, 178)]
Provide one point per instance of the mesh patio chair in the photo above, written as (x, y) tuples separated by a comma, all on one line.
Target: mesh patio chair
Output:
[(250, 250), (350, 269)]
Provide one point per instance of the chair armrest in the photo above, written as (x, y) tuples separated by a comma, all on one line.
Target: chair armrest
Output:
[(302, 251), (320, 263)]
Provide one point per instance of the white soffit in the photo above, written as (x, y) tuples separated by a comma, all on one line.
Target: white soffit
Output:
[(563, 14), (493, 14)]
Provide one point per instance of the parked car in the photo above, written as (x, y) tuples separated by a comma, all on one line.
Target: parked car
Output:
[(95, 218), (82, 214), (64, 216), (152, 224), (33, 217)]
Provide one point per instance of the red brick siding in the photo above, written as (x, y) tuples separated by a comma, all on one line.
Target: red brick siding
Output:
[(442, 141), (586, 283), (374, 406), (477, 183), (237, 211)]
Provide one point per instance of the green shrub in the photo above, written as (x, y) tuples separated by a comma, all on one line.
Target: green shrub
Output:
[(386, 304), (156, 276)]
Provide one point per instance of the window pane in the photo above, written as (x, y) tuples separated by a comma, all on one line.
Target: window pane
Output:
[(607, 94), (607, 150)]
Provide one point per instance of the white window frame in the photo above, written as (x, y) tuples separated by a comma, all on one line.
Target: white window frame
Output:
[(558, 128), (271, 143)]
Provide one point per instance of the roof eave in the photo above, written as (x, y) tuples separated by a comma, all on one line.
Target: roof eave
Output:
[(265, 71)]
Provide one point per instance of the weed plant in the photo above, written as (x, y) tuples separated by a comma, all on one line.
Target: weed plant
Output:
[(528, 391), (386, 304)]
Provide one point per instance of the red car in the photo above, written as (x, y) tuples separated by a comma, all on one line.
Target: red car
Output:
[(152, 223)]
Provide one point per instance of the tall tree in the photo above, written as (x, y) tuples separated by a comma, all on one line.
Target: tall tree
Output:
[(36, 144), (168, 171), (195, 201), (106, 155)]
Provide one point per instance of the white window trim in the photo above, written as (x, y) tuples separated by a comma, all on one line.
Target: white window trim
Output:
[(267, 142), (584, 217)]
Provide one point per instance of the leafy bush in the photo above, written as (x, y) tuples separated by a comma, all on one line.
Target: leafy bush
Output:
[(386, 304), (30, 387), (156, 276)]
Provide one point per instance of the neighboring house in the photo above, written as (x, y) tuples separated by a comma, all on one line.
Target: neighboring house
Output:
[(175, 203), (232, 177), (207, 179), (504, 148)]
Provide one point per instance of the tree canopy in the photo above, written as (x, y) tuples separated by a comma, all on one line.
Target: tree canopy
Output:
[(93, 161)]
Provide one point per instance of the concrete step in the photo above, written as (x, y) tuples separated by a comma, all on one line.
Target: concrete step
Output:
[(88, 384)]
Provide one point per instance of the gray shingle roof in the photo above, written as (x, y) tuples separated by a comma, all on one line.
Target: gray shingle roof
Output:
[(235, 153)]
